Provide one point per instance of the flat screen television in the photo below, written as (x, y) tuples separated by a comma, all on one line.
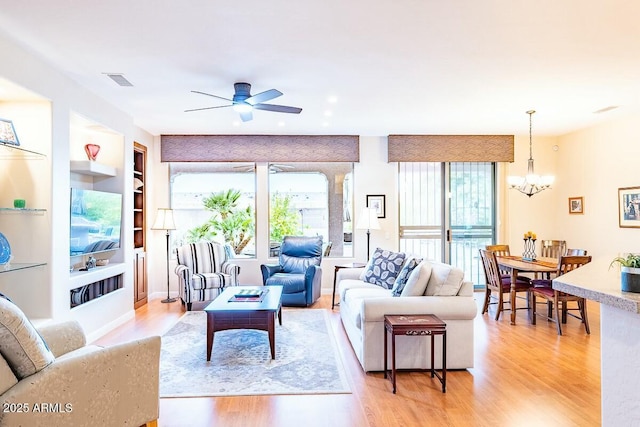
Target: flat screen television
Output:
[(96, 221)]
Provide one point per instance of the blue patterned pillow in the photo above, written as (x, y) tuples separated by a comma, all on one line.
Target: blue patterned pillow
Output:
[(383, 268), (403, 277)]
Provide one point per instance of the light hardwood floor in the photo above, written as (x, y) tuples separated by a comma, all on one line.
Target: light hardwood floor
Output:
[(524, 375)]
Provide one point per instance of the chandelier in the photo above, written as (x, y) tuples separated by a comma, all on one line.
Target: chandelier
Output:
[(531, 183)]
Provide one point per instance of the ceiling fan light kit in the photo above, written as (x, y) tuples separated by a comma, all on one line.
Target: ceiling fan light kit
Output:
[(244, 103)]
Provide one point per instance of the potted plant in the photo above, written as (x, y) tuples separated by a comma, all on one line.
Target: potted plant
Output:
[(630, 272)]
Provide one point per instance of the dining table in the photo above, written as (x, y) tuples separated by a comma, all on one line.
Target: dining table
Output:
[(516, 265)]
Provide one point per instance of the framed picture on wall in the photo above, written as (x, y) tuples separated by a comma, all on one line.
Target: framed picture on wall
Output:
[(629, 207), (377, 201), (8, 133), (576, 205)]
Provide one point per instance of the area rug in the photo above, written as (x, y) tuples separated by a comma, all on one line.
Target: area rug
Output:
[(307, 361)]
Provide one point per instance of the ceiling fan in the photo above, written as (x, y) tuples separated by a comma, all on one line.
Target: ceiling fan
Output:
[(244, 103)]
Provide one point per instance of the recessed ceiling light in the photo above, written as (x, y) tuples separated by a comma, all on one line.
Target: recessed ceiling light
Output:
[(236, 123), (325, 124), (281, 124), (605, 109), (328, 113), (332, 99)]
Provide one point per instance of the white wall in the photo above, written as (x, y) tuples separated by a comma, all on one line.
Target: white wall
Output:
[(67, 97)]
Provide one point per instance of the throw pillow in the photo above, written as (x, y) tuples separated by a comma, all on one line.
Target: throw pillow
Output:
[(20, 344), (445, 280), (383, 268), (403, 277), (418, 279)]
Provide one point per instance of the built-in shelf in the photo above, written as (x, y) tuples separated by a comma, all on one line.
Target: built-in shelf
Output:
[(23, 210), (79, 278), (14, 266), (87, 167), (12, 152)]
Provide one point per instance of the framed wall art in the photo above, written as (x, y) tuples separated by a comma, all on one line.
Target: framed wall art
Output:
[(8, 133), (576, 205), (629, 207), (377, 201)]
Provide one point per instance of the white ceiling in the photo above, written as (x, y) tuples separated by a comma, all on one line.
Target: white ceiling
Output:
[(394, 66)]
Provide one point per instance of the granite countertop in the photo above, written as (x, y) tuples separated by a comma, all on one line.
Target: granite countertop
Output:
[(597, 282)]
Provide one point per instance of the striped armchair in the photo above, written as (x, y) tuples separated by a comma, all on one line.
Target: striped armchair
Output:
[(203, 271)]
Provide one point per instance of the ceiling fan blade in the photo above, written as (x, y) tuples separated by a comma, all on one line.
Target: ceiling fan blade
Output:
[(278, 108), (263, 96), (206, 108), (246, 116), (214, 96)]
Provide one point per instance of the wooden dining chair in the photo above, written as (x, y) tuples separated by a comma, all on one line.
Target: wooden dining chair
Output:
[(552, 249), (543, 289), (495, 283), (574, 252), (503, 250)]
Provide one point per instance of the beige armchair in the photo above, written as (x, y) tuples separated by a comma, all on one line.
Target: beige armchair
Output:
[(85, 384)]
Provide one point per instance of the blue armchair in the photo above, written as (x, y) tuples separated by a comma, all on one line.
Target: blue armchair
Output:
[(298, 270)]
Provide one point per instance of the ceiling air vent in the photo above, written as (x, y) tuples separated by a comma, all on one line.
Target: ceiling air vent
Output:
[(119, 79)]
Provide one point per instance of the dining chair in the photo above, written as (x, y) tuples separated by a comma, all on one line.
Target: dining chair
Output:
[(543, 289), (574, 252), (495, 283), (503, 250), (552, 248)]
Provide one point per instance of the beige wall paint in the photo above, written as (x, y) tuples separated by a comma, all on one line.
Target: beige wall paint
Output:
[(595, 162)]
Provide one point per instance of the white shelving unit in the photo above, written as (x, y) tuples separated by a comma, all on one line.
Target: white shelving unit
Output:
[(90, 168)]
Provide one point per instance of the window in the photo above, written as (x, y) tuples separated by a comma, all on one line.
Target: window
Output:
[(311, 199), (447, 212), (214, 201)]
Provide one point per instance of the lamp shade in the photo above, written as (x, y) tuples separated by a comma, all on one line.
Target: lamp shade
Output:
[(368, 219), (164, 220)]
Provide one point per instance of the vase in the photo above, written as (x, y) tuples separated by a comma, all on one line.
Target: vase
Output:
[(92, 151), (630, 279)]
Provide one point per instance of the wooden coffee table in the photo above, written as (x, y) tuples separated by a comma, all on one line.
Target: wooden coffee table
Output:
[(224, 313)]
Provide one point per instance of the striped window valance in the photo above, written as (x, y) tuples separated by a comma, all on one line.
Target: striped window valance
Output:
[(450, 148), (259, 148)]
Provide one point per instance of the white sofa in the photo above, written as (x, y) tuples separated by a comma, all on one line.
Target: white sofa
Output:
[(363, 306)]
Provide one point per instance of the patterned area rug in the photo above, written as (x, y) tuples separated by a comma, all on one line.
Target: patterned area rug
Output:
[(307, 361)]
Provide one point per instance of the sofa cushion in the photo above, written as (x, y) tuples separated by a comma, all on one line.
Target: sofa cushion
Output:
[(417, 282), (404, 275), (445, 280), (20, 344), (354, 298), (383, 268), (7, 379)]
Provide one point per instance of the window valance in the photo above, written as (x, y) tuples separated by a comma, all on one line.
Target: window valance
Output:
[(450, 148), (259, 148)]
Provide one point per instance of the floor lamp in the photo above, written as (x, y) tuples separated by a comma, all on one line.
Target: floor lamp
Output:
[(164, 221), (368, 221)]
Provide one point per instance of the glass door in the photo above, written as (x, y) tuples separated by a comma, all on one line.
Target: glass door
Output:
[(447, 212)]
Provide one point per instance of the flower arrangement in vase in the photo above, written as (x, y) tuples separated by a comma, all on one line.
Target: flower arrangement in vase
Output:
[(529, 253)]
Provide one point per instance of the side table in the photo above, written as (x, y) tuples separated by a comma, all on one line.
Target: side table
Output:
[(335, 274), (415, 325)]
